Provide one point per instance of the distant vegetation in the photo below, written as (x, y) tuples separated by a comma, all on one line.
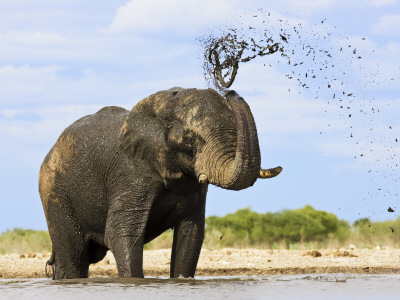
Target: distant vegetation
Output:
[(304, 228), (24, 240), (305, 225)]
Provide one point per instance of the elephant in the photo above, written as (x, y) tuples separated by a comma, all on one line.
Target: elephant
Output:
[(117, 179)]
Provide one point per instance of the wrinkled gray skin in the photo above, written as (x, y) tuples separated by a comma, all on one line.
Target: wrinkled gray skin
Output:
[(117, 179)]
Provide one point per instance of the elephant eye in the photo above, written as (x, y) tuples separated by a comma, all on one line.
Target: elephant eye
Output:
[(188, 140), (181, 139), (188, 137)]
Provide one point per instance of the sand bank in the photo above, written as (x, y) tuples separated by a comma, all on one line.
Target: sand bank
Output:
[(229, 262)]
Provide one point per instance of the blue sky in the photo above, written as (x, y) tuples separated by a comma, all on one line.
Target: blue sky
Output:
[(62, 60)]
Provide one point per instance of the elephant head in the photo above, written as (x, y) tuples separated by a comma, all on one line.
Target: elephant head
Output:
[(195, 133)]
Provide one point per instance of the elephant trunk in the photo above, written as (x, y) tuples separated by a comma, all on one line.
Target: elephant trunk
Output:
[(235, 157), (242, 171)]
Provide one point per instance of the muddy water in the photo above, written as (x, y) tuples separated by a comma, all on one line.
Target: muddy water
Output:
[(318, 286)]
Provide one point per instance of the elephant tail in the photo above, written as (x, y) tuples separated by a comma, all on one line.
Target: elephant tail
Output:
[(50, 263)]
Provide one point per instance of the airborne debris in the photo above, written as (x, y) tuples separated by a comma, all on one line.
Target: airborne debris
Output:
[(283, 38), (322, 64), (223, 55), (299, 47)]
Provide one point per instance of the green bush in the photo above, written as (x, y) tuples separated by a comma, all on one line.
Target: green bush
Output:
[(21, 240), (288, 227)]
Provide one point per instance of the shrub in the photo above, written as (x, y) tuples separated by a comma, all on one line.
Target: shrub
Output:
[(287, 227), (21, 240)]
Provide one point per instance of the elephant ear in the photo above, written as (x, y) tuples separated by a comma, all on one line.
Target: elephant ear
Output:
[(143, 139)]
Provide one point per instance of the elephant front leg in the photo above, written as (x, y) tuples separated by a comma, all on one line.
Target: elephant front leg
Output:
[(125, 232), (128, 253), (188, 238)]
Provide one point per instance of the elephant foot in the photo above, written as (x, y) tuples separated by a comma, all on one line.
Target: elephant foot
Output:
[(269, 173)]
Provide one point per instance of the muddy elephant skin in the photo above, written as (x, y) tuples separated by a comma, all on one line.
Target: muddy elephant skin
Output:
[(117, 179)]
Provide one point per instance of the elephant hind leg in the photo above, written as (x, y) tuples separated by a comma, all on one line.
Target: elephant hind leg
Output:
[(68, 269), (70, 262), (68, 242), (78, 266)]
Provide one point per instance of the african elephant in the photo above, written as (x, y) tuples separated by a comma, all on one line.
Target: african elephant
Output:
[(117, 179)]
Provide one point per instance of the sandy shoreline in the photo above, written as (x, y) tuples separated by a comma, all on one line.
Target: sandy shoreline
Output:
[(229, 262)]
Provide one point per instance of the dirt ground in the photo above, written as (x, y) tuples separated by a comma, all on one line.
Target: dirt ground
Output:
[(229, 262)]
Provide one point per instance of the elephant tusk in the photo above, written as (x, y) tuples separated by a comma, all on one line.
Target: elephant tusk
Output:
[(203, 178), (269, 173)]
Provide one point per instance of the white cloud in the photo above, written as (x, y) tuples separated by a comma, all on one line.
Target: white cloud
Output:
[(276, 103), (372, 137), (378, 66), (367, 156), (388, 25), (380, 3), (154, 16), (38, 86), (50, 121), (28, 139), (282, 114), (310, 6), (315, 6), (17, 83), (28, 86), (33, 38)]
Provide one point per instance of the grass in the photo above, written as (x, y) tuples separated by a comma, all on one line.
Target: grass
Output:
[(25, 241), (21, 240), (300, 229), (213, 241)]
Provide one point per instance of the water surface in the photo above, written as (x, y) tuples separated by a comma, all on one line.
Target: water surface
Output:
[(316, 286)]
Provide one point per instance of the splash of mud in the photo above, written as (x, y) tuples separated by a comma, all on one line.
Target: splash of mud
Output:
[(326, 65), (224, 54), (309, 55)]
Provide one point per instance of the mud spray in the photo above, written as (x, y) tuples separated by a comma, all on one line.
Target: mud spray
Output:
[(329, 67)]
